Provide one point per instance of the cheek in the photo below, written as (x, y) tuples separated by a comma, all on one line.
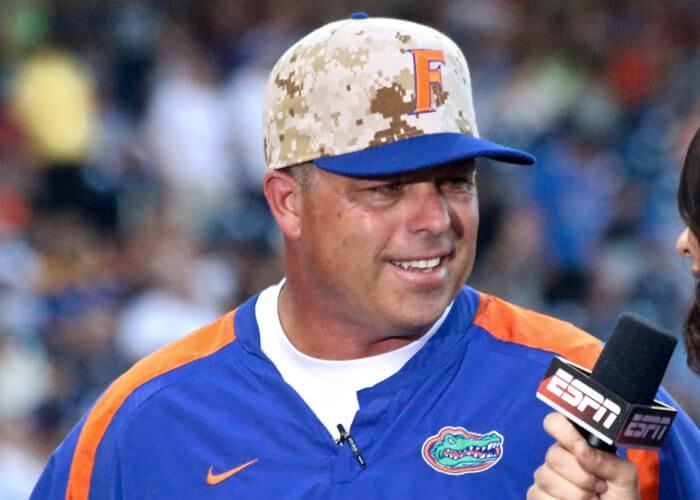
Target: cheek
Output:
[(467, 222), (694, 247), (362, 236), (346, 238)]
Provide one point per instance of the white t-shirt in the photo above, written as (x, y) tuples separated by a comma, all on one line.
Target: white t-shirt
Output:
[(328, 387)]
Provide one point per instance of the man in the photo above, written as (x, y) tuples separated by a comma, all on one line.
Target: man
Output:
[(371, 371)]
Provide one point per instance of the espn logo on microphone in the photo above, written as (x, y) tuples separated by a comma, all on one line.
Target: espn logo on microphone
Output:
[(584, 400), (646, 426), (571, 391)]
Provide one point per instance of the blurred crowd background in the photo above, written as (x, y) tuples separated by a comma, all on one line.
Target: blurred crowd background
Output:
[(131, 163)]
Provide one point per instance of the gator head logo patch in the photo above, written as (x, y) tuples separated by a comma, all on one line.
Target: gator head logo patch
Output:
[(454, 450)]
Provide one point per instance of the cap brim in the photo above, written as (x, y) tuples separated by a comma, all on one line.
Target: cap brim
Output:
[(419, 152)]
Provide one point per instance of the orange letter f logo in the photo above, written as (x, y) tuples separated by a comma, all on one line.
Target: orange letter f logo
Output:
[(426, 76)]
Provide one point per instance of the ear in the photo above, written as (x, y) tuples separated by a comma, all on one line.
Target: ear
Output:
[(283, 196)]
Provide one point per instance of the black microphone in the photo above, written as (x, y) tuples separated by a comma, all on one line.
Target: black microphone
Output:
[(614, 405), (633, 363)]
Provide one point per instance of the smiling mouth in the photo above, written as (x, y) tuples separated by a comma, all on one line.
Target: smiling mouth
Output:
[(420, 265)]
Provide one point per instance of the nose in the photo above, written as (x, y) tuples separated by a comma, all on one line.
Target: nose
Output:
[(682, 243), (430, 211)]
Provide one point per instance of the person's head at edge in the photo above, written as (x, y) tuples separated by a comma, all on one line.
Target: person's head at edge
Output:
[(687, 244), (371, 144)]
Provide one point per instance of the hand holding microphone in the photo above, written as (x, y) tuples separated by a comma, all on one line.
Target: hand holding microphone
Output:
[(612, 406), (575, 470)]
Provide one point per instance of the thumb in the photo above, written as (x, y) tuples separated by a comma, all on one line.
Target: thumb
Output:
[(617, 471)]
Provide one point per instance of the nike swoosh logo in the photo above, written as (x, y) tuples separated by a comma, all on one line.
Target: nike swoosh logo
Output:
[(213, 479)]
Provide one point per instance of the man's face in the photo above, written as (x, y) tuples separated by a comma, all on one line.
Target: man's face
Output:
[(389, 253)]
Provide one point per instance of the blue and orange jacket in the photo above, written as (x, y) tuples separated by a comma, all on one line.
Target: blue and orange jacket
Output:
[(209, 416)]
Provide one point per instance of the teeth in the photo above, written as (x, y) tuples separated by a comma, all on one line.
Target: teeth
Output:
[(423, 264)]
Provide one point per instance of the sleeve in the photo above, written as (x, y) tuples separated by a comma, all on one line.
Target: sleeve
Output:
[(88, 463), (679, 459), (64, 476), (53, 482)]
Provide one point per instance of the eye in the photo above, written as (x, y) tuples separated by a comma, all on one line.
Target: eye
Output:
[(387, 189), (458, 184)]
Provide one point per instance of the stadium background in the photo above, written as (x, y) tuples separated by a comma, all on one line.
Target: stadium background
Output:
[(131, 161)]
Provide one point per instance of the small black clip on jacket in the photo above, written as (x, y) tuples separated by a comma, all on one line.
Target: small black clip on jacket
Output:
[(347, 438)]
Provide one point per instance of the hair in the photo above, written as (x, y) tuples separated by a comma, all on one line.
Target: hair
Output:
[(303, 174), (689, 208)]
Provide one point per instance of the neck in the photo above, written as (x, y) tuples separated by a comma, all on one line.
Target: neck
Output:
[(314, 330)]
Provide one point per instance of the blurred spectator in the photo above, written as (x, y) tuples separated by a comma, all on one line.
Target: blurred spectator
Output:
[(24, 379), (19, 468), (187, 290), (55, 103), (186, 131)]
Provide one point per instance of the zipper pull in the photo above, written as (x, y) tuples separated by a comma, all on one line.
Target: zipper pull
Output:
[(345, 437)]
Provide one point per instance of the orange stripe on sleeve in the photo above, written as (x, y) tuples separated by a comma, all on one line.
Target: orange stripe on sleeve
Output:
[(511, 323), (198, 344), (647, 462)]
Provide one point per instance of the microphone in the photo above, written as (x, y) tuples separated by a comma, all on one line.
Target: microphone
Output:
[(614, 405)]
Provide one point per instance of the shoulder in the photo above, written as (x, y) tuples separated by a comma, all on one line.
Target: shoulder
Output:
[(150, 375), (516, 325)]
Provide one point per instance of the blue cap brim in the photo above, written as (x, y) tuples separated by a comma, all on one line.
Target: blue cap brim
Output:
[(419, 152)]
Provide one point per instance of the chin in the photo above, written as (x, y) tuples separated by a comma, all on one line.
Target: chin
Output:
[(421, 316)]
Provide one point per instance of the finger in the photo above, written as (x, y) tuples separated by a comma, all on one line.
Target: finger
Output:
[(618, 472), (534, 493), (559, 487), (562, 430), (565, 463)]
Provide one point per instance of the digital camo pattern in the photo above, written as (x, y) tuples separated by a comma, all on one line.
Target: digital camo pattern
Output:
[(350, 85)]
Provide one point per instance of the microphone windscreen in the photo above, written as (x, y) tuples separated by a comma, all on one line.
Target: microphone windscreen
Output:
[(634, 360)]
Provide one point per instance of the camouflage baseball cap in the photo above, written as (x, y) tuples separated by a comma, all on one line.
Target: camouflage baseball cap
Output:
[(371, 97)]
